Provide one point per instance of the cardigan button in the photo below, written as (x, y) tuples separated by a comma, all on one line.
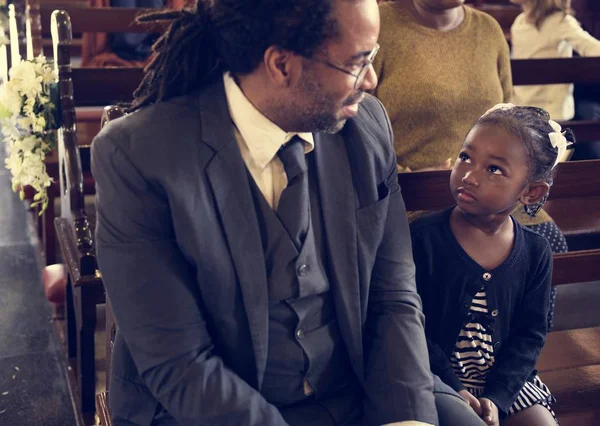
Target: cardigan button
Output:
[(497, 345), (487, 276), (495, 313)]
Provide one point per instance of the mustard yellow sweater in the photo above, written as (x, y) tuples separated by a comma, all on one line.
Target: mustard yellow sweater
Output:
[(436, 84)]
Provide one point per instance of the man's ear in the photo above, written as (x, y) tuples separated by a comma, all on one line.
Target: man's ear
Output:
[(534, 193), (282, 66)]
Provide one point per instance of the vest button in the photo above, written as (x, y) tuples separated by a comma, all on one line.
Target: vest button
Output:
[(300, 334), (487, 276), (302, 270), (495, 313)]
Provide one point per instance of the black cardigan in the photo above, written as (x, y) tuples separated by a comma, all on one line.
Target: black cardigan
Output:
[(518, 293)]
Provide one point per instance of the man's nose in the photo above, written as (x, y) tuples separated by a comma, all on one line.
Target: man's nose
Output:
[(370, 81)]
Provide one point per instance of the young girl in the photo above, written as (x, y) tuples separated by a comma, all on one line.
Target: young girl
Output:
[(485, 279), (546, 29)]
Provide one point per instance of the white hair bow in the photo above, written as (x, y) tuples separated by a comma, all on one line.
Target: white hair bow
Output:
[(558, 141)]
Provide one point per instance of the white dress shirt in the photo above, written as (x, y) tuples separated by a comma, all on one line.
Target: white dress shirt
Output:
[(557, 37), (259, 140)]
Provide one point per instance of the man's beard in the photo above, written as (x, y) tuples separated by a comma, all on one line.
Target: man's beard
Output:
[(318, 111)]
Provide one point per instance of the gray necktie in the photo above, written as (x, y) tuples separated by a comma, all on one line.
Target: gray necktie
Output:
[(293, 209)]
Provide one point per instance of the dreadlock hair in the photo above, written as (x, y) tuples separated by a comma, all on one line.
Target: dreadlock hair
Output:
[(228, 35), (530, 125)]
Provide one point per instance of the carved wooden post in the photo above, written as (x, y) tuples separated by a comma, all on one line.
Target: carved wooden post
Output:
[(85, 285)]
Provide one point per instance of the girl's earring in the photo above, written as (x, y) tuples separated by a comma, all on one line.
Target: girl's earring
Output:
[(533, 209)]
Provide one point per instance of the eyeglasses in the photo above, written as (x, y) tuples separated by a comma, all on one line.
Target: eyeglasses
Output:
[(362, 73)]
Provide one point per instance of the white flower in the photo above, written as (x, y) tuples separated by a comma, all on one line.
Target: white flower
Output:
[(24, 106), (11, 99)]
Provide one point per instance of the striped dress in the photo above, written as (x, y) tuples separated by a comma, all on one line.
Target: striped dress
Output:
[(473, 357)]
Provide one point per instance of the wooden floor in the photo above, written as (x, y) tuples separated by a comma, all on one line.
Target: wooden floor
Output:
[(33, 386)]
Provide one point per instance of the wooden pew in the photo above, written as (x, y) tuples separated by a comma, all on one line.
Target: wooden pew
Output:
[(84, 289)]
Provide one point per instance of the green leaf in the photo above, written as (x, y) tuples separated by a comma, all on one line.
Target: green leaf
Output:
[(4, 112)]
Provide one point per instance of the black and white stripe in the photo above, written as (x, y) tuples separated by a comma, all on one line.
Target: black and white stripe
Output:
[(473, 357), (473, 354)]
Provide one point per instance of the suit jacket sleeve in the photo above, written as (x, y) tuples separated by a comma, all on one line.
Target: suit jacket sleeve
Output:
[(154, 295), (398, 381)]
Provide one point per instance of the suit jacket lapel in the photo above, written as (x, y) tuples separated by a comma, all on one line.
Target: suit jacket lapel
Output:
[(339, 222), (229, 181)]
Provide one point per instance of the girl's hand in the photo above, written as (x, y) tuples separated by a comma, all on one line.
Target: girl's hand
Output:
[(471, 400), (489, 412)]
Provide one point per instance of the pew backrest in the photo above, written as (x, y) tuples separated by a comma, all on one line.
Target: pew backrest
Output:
[(70, 173)]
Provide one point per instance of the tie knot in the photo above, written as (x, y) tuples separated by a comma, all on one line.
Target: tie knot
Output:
[(292, 156)]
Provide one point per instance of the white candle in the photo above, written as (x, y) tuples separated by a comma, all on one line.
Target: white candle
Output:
[(3, 56), (15, 58), (3, 64), (28, 39)]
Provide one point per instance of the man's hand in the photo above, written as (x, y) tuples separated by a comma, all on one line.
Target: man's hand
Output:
[(471, 400), (490, 412)]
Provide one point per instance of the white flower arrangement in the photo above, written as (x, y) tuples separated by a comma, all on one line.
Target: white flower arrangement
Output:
[(26, 117)]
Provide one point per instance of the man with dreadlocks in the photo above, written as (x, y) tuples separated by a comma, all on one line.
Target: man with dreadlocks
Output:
[(251, 233)]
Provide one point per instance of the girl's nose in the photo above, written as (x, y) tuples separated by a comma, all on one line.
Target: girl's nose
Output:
[(470, 179)]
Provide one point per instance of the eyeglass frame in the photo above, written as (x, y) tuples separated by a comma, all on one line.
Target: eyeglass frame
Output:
[(362, 73)]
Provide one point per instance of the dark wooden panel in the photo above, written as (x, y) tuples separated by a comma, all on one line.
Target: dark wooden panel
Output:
[(105, 86), (505, 15), (104, 20), (576, 267), (431, 190), (585, 130), (576, 179), (552, 71)]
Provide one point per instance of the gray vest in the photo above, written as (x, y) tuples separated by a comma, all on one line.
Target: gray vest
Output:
[(304, 337)]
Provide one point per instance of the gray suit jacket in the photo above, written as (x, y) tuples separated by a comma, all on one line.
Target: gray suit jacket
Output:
[(181, 258)]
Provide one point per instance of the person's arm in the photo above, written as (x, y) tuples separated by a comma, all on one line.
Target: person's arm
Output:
[(398, 381), (156, 300), (581, 41), (519, 353)]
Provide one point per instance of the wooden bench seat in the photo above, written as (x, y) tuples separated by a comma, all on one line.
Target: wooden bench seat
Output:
[(570, 349), (575, 389), (570, 366)]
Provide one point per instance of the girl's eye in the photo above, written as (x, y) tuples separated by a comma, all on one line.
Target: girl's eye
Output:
[(464, 158), (495, 170)]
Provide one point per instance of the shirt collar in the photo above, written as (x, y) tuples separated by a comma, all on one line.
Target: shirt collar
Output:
[(262, 136)]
